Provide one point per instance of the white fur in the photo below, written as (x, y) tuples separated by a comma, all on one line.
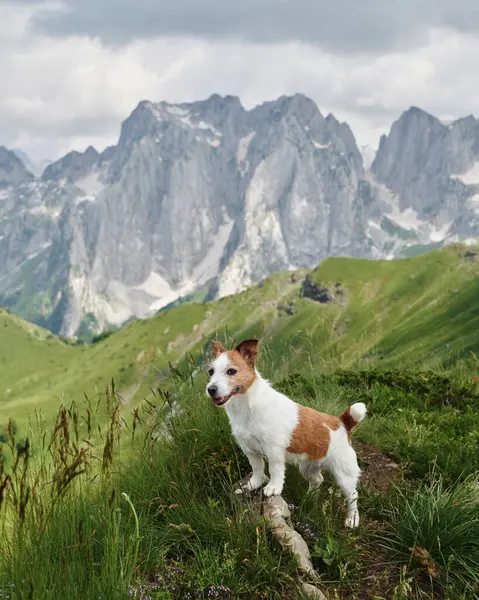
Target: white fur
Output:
[(358, 411), (219, 377), (263, 421)]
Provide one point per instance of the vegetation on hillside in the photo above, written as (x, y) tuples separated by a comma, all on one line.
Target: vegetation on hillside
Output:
[(418, 310)]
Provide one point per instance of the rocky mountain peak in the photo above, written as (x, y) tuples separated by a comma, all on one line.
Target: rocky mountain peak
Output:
[(71, 167), (12, 169), (299, 107)]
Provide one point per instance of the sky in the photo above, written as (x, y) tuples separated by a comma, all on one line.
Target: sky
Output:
[(72, 71)]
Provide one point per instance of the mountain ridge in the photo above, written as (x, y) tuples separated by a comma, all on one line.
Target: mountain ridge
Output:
[(100, 237)]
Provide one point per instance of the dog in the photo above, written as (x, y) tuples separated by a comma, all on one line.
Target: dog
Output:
[(268, 424)]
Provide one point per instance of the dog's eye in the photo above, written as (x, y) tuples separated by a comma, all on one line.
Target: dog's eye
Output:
[(211, 372), (231, 372)]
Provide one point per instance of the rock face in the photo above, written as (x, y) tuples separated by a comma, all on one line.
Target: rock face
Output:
[(209, 192), (298, 193), (431, 171), (72, 167)]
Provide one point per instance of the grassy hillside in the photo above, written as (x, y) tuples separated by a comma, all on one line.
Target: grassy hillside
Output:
[(400, 336), (419, 309)]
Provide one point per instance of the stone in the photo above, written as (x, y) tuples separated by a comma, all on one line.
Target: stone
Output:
[(311, 591)]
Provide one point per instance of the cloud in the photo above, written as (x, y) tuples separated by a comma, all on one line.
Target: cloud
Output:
[(339, 26), (61, 93)]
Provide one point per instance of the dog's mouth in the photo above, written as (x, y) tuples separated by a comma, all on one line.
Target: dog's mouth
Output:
[(224, 399)]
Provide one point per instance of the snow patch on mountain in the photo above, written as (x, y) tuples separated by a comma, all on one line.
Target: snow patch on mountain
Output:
[(91, 186), (243, 146)]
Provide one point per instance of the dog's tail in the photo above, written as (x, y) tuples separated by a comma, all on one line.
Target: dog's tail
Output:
[(353, 415)]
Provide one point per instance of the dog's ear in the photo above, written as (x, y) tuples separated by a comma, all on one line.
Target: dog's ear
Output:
[(249, 351), (217, 348)]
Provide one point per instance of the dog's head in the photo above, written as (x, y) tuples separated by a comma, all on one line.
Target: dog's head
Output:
[(232, 372)]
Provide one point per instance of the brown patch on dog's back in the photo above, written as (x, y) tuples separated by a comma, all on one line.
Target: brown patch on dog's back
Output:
[(312, 434), (246, 375)]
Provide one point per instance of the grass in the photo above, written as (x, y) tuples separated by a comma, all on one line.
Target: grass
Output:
[(436, 528), (69, 531)]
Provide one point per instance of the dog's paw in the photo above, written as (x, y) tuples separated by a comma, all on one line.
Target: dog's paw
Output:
[(352, 519), (255, 483), (272, 490)]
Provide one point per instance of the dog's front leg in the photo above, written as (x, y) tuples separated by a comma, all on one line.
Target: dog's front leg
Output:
[(258, 477), (277, 467)]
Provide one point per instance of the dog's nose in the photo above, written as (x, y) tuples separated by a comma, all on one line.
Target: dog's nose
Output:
[(212, 390)]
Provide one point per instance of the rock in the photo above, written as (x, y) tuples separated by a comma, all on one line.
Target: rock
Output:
[(470, 256), (276, 512), (73, 166), (292, 541), (321, 293), (12, 169), (275, 508), (311, 591), (315, 291)]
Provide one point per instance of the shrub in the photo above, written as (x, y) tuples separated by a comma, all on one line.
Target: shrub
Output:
[(436, 528)]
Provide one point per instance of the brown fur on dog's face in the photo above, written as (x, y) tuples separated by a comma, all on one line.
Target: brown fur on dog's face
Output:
[(249, 351), (245, 370), (232, 371)]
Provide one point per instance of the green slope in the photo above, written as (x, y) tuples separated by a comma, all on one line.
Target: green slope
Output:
[(424, 308)]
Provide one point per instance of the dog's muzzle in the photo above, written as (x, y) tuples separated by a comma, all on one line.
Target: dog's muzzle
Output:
[(212, 391)]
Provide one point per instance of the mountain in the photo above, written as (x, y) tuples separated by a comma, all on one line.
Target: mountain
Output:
[(195, 194), (209, 196), (428, 173), (72, 167)]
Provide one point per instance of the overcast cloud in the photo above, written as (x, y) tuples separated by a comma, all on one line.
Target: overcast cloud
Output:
[(71, 72)]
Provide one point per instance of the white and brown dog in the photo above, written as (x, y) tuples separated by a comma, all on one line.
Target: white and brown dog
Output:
[(267, 424)]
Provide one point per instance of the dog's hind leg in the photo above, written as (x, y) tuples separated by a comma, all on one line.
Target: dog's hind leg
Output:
[(348, 487), (347, 476)]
